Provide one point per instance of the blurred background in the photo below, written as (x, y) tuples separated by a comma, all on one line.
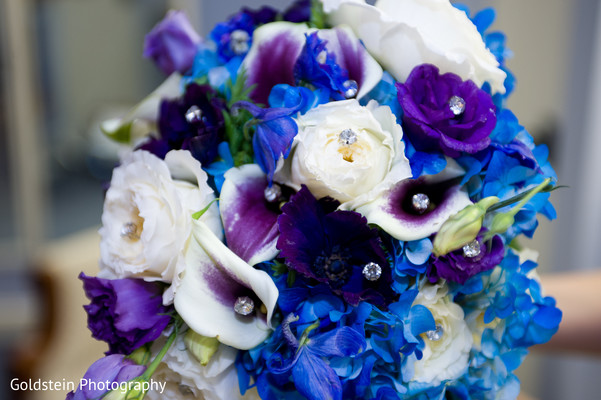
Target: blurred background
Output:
[(65, 65)]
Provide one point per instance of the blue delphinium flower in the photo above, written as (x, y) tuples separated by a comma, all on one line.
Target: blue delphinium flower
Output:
[(317, 66), (233, 37), (275, 130), (333, 247), (297, 97)]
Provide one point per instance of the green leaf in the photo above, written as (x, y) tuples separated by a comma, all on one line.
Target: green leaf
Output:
[(200, 213), (117, 131), (318, 16)]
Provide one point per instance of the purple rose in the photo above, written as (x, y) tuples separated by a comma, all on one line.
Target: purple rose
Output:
[(172, 43), (443, 112), (460, 265), (125, 313), (105, 373)]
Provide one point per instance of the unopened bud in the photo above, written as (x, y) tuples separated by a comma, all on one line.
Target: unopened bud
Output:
[(201, 347), (461, 228)]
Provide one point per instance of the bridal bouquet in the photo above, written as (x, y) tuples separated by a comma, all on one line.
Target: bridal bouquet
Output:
[(324, 203)]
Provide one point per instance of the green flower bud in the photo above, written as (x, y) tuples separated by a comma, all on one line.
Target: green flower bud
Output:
[(201, 347), (461, 228), (501, 222)]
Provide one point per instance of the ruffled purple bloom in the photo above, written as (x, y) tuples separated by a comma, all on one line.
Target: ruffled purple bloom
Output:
[(273, 136), (442, 112), (458, 266), (333, 247), (192, 122), (172, 43), (114, 368), (125, 313)]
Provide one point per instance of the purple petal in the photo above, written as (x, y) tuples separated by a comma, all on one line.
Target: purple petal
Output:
[(271, 59), (250, 223)]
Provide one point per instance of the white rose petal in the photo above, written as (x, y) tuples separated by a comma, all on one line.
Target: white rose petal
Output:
[(147, 216), (403, 34), (185, 378), (353, 173), (448, 357)]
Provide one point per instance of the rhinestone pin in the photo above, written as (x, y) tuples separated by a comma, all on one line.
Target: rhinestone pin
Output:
[(239, 41), (436, 334), (372, 271), (420, 202), (129, 230), (322, 57), (347, 137), (272, 193), (193, 115), (472, 249), (457, 105), (350, 88), (244, 305)]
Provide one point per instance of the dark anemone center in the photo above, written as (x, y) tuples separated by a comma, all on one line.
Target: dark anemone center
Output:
[(335, 267)]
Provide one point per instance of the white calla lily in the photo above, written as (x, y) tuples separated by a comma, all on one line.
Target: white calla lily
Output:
[(391, 210), (214, 279)]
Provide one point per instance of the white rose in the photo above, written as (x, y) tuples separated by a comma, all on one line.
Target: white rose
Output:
[(347, 151), (403, 34), (448, 356), (186, 378), (147, 216)]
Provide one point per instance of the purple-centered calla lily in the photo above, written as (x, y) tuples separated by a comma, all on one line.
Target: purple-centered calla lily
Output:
[(277, 47), (214, 279), (393, 211), (249, 220)]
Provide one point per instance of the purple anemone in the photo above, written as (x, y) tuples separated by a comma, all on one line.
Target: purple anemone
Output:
[(442, 112), (192, 122), (333, 247)]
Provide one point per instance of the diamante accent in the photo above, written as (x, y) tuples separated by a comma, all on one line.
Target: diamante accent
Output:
[(129, 230), (193, 115), (420, 202), (347, 137), (372, 271), (272, 193), (244, 305), (322, 57), (472, 249), (457, 105), (239, 41), (436, 334), (350, 88)]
